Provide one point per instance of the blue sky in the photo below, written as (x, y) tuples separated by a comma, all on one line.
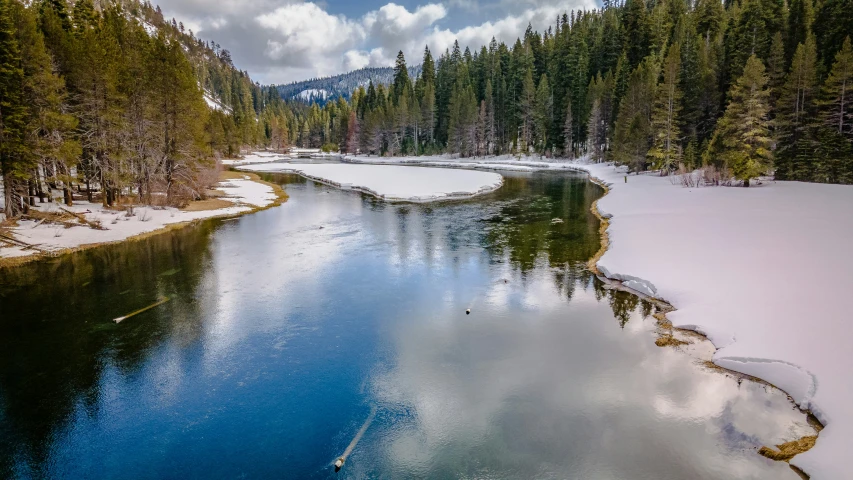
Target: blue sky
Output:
[(280, 41)]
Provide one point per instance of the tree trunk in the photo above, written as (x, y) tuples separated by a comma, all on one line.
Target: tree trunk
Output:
[(746, 183)]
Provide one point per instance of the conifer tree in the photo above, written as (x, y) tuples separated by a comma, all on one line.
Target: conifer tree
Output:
[(795, 116), (632, 134), (835, 134), (543, 112), (50, 128), (594, 127), (776, 68), (13, 164), (742, 138), (526, 105), (568, 132), (665, 153)]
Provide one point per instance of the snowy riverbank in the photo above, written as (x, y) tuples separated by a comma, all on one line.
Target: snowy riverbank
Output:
[(763, 272), (235, 196), (527, 163), (394, 183)]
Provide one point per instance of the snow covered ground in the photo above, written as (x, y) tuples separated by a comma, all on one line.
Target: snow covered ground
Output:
[(257, 157), (267, 157), (764, 272), (394, 183), (527, 163), (246, 195)]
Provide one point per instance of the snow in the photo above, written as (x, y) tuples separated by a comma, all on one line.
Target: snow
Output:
[(257, 157), (267, 157), (311, 94), (213, 103), (151, 30), (394, 183), (763, 271), (244, 193), (498, 163)]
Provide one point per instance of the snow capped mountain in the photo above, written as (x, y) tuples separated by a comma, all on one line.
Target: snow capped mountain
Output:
[(321, 90)]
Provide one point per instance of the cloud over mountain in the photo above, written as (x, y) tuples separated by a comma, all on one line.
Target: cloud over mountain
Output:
[(280, 41)]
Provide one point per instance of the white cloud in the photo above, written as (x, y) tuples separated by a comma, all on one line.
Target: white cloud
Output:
[(279, 41)]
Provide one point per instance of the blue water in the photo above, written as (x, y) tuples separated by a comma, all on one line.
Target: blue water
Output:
[(287, 326)]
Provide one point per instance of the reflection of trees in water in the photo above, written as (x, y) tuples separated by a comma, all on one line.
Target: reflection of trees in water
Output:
[(524, 225), (57, 337), (523, 229)]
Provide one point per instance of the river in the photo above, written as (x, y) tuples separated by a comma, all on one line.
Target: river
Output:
[(286, 329)]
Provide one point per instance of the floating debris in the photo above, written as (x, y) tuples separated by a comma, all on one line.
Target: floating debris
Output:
[(555, 221), (343, 458), (468, 311), (149, 307)]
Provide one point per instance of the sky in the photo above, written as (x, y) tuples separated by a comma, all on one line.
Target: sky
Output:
[(282, 41)]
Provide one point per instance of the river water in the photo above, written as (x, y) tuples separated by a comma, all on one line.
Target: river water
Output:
[(286, 328)]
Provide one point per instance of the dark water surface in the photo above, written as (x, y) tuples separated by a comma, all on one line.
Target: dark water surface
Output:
[(286, 327)]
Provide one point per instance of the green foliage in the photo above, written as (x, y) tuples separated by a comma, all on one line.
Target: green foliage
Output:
[(665, 153), (795, 113), (742, 139)]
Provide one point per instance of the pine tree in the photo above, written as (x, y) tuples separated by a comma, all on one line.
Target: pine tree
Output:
[(665, 153), (568, 131), (742, 138), (637, 31), (489, 103), (800, 18), (631, 139), (795, 114), (50, 128), (776, 68), (833, 23), (543, 112), (835, 132), (526, 105), (401, 78), (13, 163), (594, 127), (837, 94)]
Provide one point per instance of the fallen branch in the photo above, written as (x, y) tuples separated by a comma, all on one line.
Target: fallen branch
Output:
[(94, 224), (25, 245)]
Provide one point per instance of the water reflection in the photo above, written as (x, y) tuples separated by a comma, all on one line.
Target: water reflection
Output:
[(286, 326)]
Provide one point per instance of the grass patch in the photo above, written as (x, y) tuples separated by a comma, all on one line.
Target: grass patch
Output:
[(789, 450), (669, 341), (209, 204)]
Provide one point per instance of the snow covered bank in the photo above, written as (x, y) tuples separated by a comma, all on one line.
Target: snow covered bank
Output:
[(763, 272), (526, 163), (257, 157), (267, 157), (245, 194), (394, 183)]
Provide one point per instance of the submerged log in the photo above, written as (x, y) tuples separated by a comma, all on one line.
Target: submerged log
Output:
[(137, 312)]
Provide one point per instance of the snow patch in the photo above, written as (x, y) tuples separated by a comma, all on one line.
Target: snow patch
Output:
[(312, 94), (244, 193), (763, 271), (394, 183)]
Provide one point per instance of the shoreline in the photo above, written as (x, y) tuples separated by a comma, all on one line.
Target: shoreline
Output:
[(794, 447), (225, 176), (452, 196)]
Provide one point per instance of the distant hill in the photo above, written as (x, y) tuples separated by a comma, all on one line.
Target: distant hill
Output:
[(321, 90)]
